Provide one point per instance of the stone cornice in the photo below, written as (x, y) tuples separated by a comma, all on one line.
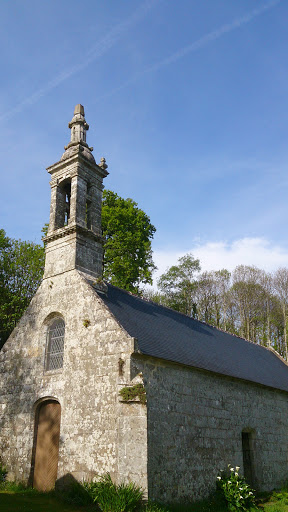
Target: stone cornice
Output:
[(69, 230), (77, 158)]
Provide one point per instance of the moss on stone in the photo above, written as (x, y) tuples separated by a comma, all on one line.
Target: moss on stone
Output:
[(129, 393)]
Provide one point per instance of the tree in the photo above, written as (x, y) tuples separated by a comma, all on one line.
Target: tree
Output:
[(281, 287), (178, 284), (21, 271), (269, 302), (249, 297), (212, 297), (222, 278), (127, 233), (205, 297)]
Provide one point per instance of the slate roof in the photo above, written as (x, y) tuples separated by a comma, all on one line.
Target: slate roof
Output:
[(166, 334)]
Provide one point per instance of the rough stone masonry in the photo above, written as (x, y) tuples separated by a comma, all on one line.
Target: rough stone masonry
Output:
[(212, 399)]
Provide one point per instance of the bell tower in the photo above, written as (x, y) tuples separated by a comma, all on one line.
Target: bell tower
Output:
[(74, 238)]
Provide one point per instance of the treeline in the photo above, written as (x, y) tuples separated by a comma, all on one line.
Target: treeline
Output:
[(248, 302)]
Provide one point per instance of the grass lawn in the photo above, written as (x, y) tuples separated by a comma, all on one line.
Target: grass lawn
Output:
[(31, 501), (24, 501)]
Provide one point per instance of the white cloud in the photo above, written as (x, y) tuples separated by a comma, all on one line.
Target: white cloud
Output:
[(217, 255)]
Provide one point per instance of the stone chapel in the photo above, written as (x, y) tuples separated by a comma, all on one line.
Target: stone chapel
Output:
[(95, 380)]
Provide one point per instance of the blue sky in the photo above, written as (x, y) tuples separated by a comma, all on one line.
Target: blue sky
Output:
[(187, 101)]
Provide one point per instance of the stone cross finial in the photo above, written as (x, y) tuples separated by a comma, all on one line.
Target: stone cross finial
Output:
[(78, 125)]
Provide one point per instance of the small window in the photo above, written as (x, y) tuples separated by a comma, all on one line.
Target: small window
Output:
[(67, 193), (247, 450), (55, 345)]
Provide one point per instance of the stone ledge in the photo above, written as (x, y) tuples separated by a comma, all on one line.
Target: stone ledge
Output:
[(68, 230)]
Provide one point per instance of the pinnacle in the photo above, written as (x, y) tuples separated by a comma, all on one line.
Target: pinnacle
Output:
[(79, 109)]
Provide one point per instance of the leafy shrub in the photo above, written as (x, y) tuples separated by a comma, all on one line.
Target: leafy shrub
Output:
[(114, 498), (13, 486), (237, 493)]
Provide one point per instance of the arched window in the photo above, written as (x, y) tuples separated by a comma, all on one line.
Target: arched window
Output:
[(55, 345)]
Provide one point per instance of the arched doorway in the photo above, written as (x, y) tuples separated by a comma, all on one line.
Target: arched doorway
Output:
[(47, 428)]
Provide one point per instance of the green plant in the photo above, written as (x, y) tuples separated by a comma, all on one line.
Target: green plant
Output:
[(86, 322), (154, 507), (13, 486), (3, 473), (281, 495), (129, 393), (236, 492), (114, 498)]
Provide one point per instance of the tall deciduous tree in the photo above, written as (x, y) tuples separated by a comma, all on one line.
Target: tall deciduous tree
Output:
[(269, 302), (127, 233), (249, 296), (178, 284), (213, 298), (281, 287), (21, 271)]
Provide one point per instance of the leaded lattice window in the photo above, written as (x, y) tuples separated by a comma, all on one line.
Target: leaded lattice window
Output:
[(55, 345)]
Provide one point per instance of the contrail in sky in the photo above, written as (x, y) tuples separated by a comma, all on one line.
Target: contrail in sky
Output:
[(196, 45), (95, 52), (111, 39)]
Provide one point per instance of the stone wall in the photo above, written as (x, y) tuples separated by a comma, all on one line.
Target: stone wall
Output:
[(195, 424), (94, 423), (192, 425)]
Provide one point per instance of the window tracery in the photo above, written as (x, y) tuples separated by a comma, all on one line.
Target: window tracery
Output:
[(55, 345)]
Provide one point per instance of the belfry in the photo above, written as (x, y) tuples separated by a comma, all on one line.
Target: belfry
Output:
[(74, 238)]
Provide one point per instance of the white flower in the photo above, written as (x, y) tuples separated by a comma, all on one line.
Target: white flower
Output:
[(218, 477), (250, 492), (229, 482), (236, 474), (241, 497), (240, 488), (231, 469), (237, 468)]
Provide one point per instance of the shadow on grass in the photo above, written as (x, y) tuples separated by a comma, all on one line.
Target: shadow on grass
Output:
[(31, 501)]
